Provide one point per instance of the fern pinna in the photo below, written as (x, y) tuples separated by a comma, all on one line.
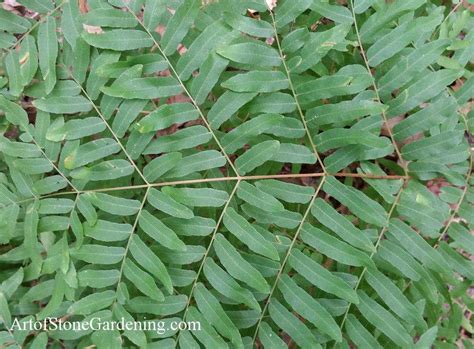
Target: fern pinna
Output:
[(291, 173)]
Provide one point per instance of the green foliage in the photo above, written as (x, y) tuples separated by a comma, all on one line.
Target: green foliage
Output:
[(294, 177)]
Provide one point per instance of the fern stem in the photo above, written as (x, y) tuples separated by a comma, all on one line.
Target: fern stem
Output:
[(295, 96), (51, 161), (463, 195), (454, 9), (193, 101), (134, 227), (34, 26), (377, 243), (285, 260), (403, 164), (117, 139), (470, 164), (397, 198), (214, 233), (460, 201), (217, 179)]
